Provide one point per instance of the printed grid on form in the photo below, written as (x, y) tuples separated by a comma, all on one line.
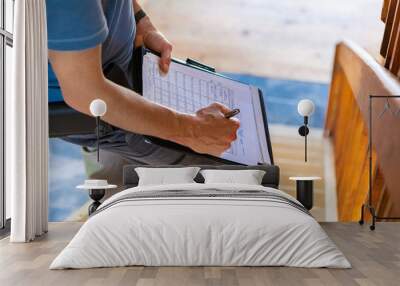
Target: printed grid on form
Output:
[(188, 94)]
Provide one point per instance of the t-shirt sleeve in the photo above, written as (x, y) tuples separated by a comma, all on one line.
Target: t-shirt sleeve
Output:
[(75, 24)]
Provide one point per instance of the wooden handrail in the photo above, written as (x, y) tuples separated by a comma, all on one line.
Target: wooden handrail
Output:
[(356, 75), (390, 47)]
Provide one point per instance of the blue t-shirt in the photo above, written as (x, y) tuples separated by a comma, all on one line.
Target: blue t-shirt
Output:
[(77, 25)]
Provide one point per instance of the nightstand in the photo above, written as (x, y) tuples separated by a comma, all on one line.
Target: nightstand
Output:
[(97, 190), (305, 190)]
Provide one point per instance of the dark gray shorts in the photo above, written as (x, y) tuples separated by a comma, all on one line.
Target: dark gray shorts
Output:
[(137, 149), (119, 148)]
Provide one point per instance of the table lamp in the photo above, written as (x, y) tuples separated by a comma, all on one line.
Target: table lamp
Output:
[(306, 109), (98, 108)]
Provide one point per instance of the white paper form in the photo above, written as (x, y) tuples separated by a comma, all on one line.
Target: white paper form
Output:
[(187, 89)]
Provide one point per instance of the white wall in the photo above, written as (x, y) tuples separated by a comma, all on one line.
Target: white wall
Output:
[(9, 25), (9, 63)]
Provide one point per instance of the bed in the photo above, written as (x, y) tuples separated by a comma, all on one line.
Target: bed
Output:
[(197, 224)]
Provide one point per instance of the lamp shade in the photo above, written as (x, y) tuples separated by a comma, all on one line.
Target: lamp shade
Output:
[(98, 107), (305, 107)]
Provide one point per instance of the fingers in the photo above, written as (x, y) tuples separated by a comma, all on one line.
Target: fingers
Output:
[(235, 126), (235, 122), (213, 108), (165, 59), (219, 132), (222, 108), (157, 42), (209, 112), (222, 148)]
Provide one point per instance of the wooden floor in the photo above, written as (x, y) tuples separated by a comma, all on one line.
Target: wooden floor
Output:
[(288, 149), (290, 39), (375, 257)]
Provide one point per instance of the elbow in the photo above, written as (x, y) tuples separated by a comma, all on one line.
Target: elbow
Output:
[(74, 101), (80, 98)]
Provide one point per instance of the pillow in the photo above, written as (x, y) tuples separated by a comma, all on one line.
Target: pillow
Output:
[(248, 177), (164, 176)]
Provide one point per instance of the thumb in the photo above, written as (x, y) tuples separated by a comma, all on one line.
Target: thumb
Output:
[(165, 60)]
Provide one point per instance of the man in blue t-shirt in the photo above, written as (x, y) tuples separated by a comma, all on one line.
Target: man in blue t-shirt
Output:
[(85, 38)]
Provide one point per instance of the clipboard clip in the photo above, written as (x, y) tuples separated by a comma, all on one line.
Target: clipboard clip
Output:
[(199, 65)]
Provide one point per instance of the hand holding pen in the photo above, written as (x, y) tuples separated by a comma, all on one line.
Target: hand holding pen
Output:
[(214, 129)]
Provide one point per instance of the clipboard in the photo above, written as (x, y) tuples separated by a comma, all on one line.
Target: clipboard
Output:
[(137, 79)]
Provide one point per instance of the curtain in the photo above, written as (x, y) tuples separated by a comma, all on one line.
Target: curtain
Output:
[(27, 124)]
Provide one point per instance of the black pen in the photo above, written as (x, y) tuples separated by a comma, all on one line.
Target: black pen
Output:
[(232, 113)]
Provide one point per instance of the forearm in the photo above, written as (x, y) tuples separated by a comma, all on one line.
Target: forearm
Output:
[(81, 80), (131, 112)]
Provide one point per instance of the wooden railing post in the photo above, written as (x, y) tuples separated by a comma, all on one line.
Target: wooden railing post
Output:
[(355, 76)]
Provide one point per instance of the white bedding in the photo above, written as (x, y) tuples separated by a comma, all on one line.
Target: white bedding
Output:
[(200, 231)]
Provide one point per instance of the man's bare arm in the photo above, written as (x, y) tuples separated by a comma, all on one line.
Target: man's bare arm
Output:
[(81, 79)]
